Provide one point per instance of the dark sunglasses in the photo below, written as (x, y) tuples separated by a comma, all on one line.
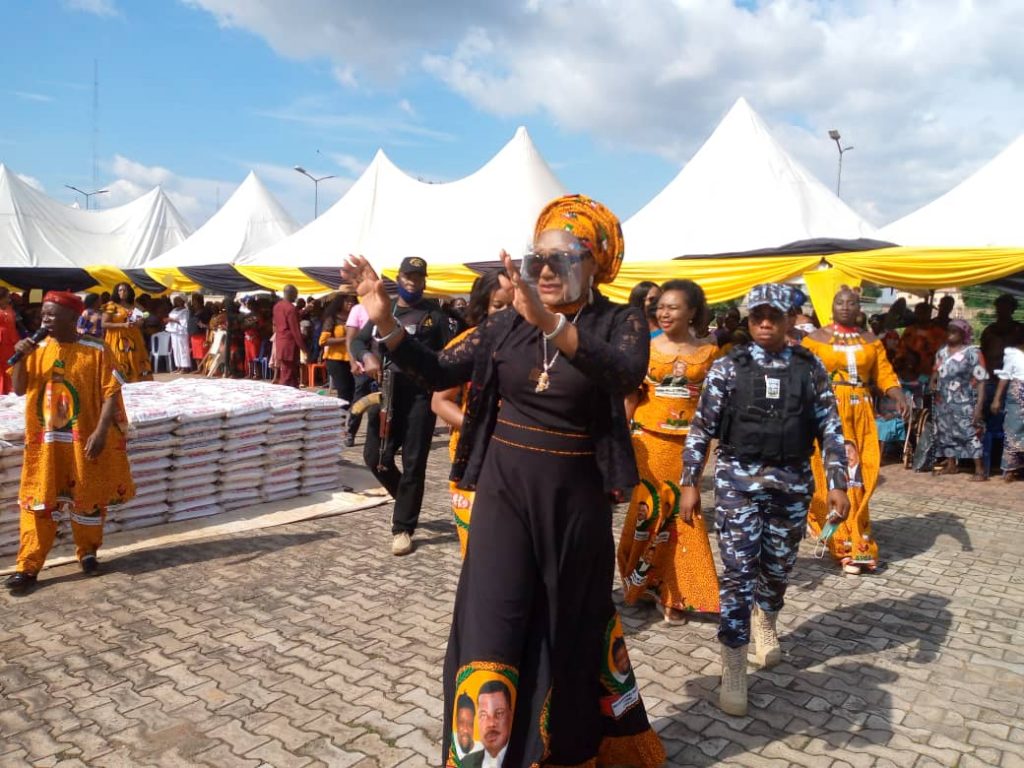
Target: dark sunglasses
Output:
[(559, 262)]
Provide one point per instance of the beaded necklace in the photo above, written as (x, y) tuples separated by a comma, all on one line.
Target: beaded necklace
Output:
[(843, 336), (849, 340)]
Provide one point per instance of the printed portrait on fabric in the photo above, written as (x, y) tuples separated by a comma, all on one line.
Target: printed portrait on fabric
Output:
[(485, 699), (617, 675)]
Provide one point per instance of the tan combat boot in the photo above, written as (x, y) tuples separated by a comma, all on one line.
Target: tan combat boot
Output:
[(732, 695), (767, 652)]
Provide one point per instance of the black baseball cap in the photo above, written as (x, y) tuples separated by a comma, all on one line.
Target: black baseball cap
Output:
[(413, 265)]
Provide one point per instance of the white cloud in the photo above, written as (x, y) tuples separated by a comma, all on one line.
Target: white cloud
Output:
[(323, 114), (381, 39), (350, 163), (32, 181), (346, 76), (198, 198), (95, 7), (29, 96), (195, 198), (406, 106), (926, 90)]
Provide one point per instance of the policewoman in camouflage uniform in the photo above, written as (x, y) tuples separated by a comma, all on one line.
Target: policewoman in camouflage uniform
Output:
[(766, 402)]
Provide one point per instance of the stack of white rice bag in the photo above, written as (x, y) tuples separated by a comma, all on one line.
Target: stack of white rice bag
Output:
[(199, 447)]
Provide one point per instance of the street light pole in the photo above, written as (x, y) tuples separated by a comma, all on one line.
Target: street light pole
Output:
[(87, 195), (834, 135), (316, 187)]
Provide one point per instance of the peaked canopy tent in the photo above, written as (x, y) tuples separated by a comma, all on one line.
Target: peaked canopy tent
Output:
[(740, 212), (740, 191), (970, 232), (45, 244), (250, 221), (387, 215)]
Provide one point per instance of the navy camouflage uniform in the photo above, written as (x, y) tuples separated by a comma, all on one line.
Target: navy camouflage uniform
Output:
[(760, 508)]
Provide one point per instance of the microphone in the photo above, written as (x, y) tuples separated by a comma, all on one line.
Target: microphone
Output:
[(35, 338)]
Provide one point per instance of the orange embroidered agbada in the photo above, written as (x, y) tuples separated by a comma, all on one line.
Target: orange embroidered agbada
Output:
[(853, 368), (67, 384), (658, 551), (126, 344)]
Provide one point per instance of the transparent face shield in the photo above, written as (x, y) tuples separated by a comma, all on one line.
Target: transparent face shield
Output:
[(566, 263)]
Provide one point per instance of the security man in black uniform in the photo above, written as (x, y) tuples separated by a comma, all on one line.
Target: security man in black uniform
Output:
[(408, 420)]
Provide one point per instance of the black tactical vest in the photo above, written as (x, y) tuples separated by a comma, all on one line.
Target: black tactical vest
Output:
[(770, 416)]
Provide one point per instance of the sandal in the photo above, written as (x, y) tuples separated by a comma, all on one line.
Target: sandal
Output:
[(675, 616), (979, 477)]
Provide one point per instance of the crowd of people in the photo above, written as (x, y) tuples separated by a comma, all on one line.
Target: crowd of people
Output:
[(562, 404)]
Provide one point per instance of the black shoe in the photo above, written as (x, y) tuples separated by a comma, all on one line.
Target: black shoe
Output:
[(350, 440), (90, 565), (20, 580)]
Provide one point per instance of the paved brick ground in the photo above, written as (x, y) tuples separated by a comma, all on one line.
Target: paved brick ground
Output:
[(310, 645)]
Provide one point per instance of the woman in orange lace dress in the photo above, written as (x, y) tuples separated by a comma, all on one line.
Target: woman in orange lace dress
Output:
[(661, 554), (856, 361), (122, 334)]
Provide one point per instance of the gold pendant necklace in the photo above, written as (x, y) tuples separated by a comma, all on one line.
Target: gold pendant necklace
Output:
[(543, 379)]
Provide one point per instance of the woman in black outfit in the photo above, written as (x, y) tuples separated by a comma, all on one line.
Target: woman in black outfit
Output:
[(536, 654)]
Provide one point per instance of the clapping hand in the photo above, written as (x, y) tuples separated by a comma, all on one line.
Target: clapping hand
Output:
[(370, 288), (525, 299)]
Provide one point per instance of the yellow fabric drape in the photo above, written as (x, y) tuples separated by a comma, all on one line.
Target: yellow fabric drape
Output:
[(445, 279), (822, 285), (107, 277), (276, 278), (721, 279), (174, 279), (912, 268)]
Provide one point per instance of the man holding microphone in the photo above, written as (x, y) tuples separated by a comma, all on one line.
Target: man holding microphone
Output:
[(766, 402), (75, 463)]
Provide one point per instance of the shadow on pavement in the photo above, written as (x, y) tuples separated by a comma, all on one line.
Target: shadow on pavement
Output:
[(443, 530), (905, 537), (241, 549), (844, 704)]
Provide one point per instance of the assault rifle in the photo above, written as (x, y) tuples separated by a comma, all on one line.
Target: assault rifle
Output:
[(387, 395)]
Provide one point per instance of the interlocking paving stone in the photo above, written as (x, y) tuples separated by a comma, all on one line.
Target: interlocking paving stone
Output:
[(310, 645)]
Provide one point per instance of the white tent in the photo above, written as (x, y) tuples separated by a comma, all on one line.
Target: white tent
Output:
[(248, 222), (37, 232), (983, 210), (740, 192), (387, 215)]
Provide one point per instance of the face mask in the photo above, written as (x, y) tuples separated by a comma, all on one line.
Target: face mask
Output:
[(831, 526), (409, 297)]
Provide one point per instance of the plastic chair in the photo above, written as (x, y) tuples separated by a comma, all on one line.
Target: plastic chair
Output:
[(263, 361), (160, 349), (311, 370)]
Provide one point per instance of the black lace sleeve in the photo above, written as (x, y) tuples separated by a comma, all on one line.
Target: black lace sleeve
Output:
[(437, 371), (619, 363)]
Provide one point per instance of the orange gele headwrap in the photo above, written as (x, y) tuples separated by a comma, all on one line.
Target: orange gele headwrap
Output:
[(65, 299), (590, 222)]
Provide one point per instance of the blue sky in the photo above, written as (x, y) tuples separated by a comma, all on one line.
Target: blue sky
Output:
[(179, 92), (616, 95)]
